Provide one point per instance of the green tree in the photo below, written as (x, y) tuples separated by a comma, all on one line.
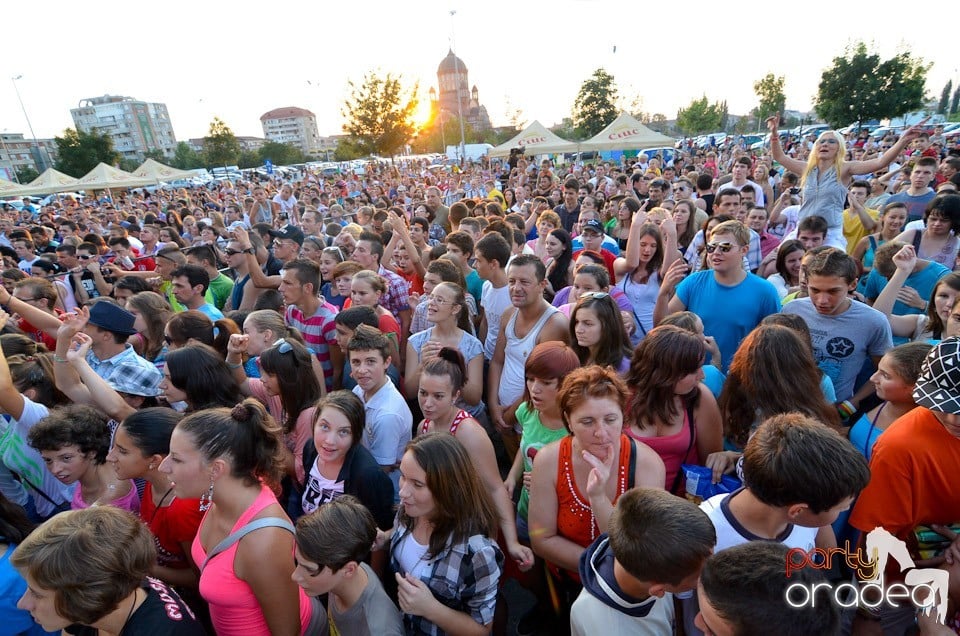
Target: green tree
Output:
[(658, 122), (157, 155), (249, 159), (700, 116), (379, 115), (860, 86), (185, 157), (945, 98), (955, 101), (128, 164), (80, 152), (596, 104), (346, 150), (769, 89), (26, 174), (220, 145), (280, 154)]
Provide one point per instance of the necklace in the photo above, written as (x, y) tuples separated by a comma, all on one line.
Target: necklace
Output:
[(159, 505), (129, 614)]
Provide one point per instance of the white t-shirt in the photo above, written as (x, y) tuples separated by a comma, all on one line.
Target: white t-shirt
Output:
[(494, 301), (731, 533), (319, 490)]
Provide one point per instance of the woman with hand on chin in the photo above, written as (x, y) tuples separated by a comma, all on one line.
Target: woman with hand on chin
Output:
[(577, 480), (442, 379)]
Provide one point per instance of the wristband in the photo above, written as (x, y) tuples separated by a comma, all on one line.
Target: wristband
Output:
[(846, 409), (57, 358), (231, 365)]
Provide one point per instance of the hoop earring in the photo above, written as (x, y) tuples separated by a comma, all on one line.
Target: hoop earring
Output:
[(206, 499)]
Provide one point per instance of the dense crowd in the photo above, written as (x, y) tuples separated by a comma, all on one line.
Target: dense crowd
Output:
[(359, 404)]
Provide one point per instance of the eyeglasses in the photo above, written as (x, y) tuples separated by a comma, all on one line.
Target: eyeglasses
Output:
[(283, 346), (84, 258), (336, 249), (230, 252), (595, 295), (440, 301), (724, 247), (27, 300)]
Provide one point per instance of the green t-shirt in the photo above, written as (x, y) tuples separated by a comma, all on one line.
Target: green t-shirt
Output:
[(220, 287), (166, 289), (535, 437)]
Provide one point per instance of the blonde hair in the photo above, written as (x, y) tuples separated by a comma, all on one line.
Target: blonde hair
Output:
[(837, 162)]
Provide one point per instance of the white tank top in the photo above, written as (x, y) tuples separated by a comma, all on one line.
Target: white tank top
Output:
[(515, 357)]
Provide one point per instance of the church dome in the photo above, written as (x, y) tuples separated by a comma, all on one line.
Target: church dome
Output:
[(450, 64)]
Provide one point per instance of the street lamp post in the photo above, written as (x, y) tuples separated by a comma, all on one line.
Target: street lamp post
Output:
[(456, 67), (40, 157)]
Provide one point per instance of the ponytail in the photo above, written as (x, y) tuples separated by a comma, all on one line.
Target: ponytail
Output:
[(449, 362), (246, 433)]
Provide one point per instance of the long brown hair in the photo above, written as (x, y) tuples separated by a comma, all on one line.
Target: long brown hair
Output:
[(462, 504), (663, 357), (772, 372)]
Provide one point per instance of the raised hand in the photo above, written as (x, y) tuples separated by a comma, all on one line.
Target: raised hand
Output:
[(906, 258)]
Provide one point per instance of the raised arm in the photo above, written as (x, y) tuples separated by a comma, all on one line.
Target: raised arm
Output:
[(902, 326), (236, 347), (47, 323), (884, 160), (11, 401), (101, 394), (791, 164), (257, 277), (400, 229), (632, 256)]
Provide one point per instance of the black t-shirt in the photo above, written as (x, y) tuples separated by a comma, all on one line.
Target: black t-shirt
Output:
[(162, 614)]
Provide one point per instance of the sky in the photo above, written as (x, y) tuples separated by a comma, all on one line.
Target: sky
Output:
[(238, 60)]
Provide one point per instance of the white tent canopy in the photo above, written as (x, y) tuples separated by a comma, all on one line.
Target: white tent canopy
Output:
[(535, 139), (11, 189), (104, 177), (49, 182), (626, 133), (157, 172)]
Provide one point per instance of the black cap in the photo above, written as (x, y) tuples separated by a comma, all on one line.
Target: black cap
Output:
[(289, 232)]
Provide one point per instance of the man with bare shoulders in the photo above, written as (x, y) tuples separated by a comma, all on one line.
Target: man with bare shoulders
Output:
[(529, 322)]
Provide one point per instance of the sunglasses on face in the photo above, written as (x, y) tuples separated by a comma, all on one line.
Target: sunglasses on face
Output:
[(723, 247)]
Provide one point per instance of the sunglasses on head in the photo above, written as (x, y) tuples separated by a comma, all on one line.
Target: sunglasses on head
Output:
[(724, 247), (283, 346)]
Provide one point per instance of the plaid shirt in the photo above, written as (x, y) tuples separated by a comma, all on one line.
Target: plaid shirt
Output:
[(127, 370), (464, 577), (395, 300)]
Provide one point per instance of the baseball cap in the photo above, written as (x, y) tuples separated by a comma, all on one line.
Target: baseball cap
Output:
[(593, 225), (938, 385), (288, 232)]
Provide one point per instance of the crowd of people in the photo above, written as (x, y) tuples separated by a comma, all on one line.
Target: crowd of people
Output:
[(360, 404)]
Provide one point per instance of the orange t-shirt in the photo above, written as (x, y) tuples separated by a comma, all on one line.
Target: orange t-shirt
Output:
[(912, 477)]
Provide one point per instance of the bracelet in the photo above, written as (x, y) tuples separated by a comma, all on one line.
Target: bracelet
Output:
[(57, 358), (231, 365), (846, 409)]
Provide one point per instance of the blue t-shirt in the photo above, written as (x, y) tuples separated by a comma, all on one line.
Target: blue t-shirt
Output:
[(12, 587), (923, 281), (916, 206), (475, 285), (728, 312)]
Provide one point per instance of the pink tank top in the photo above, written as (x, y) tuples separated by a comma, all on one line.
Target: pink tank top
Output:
[(234, 608), (130, 501), (674, 450), (459, 417)]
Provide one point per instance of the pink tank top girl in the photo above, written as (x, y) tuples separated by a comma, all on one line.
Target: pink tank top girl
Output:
[(459, 417), (130, 501), (234, 608), (674, 450)]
